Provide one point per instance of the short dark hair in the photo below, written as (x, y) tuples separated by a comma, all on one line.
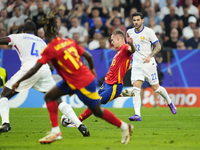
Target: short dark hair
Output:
[(96, 1), (27, 19), (30, 27), (138, 14), (119, 32), (95, 8), (185, 5), (16, 7), (50, 26), (116, 9)]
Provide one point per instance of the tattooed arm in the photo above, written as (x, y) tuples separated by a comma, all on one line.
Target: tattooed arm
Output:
[(156, 49)]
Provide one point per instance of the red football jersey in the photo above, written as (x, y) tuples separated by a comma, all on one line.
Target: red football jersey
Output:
[(65, 56), (119, 66)]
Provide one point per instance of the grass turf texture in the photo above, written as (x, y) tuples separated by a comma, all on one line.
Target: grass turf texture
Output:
[(158, 130)]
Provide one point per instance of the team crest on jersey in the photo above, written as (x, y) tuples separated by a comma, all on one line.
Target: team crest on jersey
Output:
[(142, 37)]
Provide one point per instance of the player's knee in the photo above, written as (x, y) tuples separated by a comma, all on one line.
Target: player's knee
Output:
[(98, 111), (156, 88), (98, 114), (47, 97), (136, 90)]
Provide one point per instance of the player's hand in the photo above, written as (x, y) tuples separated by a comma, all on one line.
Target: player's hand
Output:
[(129, 39), (146, 59), (94, 72), (15, 86)]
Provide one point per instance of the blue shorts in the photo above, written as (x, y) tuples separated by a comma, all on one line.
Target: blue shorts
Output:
[(145, 85), (108, 92), (88, 95)]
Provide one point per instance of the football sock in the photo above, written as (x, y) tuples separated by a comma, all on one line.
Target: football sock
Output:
[(110, 117), (124, 126), (137, 100), (161, 90), (85, 114), (55, 129), (4, 110), (53, 113), (69, 112)]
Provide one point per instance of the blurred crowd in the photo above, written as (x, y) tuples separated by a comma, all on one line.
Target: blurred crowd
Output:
[(90, 22)]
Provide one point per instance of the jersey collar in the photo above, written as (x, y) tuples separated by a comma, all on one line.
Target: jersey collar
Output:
[(139, 31)]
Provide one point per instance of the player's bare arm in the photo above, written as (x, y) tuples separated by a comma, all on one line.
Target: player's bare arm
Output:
[(30, 73), (157, 48), (89, 58), (132, 47), (4, 40)]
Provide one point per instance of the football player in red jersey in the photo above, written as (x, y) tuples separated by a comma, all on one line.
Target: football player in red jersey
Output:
[(113, 84), (77, 78)]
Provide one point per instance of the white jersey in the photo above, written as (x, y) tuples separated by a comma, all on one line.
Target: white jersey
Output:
[(143, 41), (29, 48)]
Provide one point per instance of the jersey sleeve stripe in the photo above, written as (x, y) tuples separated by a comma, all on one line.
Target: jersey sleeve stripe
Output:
[(155, 42), (9, 39), (17, 50)]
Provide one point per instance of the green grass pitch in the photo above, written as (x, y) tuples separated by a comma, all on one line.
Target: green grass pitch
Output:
[(158, 130)]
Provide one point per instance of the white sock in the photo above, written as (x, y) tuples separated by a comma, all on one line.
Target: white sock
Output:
[(69, 112), (55, 129), (137, 101), (124, 126), (161, 90), (4, 109)]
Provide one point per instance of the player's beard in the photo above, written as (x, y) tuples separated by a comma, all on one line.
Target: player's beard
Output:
[(139, 26)]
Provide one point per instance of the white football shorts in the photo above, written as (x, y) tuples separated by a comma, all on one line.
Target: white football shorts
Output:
[(147, 71), (42, 81)]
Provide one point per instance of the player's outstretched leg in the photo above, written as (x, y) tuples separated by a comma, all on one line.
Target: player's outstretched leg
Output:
[(111, 118), (161, 90), (84, 115), (69, 112)]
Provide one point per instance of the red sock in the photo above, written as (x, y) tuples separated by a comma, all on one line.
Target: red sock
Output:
[(53, 113), (87, 113), (110, 117)]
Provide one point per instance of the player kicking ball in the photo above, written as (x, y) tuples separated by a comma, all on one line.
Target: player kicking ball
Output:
[(77, 78), (113, 84)]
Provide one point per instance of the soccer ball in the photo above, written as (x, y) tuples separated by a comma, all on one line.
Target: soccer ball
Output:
[(65, 121)]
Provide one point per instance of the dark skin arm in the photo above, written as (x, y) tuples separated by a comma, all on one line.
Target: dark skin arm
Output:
[(50, 66), (30, 73), (4, 40), (89, 58)]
